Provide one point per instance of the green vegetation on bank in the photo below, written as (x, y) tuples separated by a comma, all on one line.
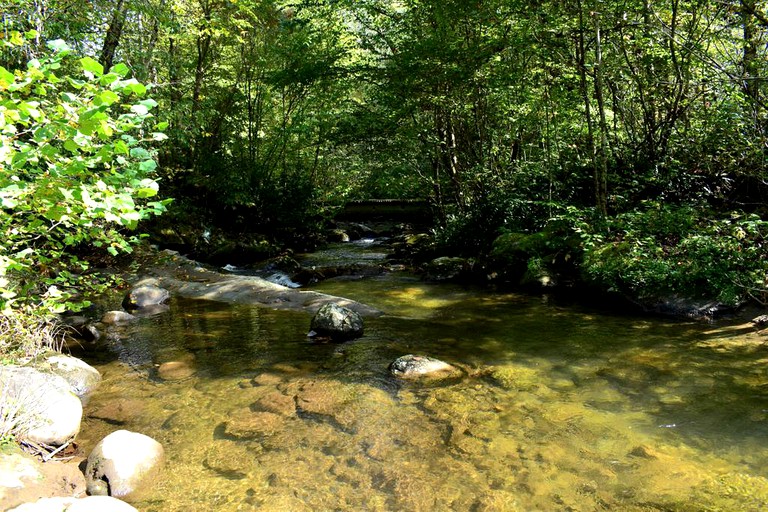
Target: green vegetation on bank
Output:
[(76, 178)]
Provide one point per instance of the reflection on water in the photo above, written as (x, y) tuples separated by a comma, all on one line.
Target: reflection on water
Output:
[(559, 409)]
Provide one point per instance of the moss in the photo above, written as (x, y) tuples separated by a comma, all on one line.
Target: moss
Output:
[(734, 491), (514, 377)]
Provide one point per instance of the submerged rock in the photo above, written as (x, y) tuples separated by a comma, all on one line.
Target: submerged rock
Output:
[(175, 370), (42, 405), (417, 366), (144, 296), (116, 317), (126, 461), (337, 322)]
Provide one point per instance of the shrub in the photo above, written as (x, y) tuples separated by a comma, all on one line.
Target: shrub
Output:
[(671, 250), (75, 174)]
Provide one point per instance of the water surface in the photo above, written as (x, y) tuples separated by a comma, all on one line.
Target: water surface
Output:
[(558, 408)]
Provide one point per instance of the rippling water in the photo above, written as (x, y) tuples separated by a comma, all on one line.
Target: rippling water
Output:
[(559, 408)]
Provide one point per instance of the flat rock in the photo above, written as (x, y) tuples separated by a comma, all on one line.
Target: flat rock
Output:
[(87, 504), (145, 295), (410, 366)]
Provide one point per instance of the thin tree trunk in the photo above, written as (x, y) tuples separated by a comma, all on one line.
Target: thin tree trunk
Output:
[(750, 69), (112, 38), (601, 170)]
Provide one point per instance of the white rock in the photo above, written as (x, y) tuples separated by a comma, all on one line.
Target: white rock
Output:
[(87, 504), (127, 461), (83, 378), (43, 405)]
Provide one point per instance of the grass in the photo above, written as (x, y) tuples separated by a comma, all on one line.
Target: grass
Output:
[(24, 336)]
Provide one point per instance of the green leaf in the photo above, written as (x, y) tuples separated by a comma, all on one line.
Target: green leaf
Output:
[(149, 103), (58, 46), (6, 78), (147, 166), (92, 66), (106, 98), (120, 69), (121, 147), (70, 145), (140, 153)]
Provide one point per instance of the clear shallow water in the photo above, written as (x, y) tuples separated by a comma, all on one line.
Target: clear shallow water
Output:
[(558, 409)]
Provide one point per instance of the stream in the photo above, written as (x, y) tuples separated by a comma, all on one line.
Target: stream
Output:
[(559, 407)]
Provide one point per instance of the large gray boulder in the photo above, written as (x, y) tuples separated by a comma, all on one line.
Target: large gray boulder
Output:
[(337, 322), (69, 504), (42, 404), (126, 462), (145, 296), (83, 378)]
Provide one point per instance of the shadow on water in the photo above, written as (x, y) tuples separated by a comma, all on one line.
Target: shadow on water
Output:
[(560, 408)]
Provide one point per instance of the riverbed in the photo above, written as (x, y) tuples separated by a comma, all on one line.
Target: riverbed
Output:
[(558, 407)]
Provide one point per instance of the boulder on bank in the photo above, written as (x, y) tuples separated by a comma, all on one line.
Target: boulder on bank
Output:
[(43, 405), (126, 461), (411, 366), (83, 378), (144, 296), (446, 268), (337, 322), (87, 504)]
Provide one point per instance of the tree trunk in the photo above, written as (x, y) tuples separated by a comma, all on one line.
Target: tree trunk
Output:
[(601, 169), (112, 38), (750, 64)]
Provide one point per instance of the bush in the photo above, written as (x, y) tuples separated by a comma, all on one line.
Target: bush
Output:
[(667, 250), (75, 174)]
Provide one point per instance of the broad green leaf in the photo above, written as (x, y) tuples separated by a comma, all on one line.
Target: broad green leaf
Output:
[(58, 45), (71, 146), (74, 82), (121, 147), (92, 66), (147, 166), (6, 78), (105, 129), (120, 69), (140, 153), (149, 103), (106, 98)]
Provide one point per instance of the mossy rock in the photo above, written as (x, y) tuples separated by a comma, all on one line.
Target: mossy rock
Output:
[(734, 491), (514, 377)]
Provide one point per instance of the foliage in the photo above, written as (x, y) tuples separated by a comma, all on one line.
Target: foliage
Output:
[(503, 113), (75, 174), (665, 250)]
